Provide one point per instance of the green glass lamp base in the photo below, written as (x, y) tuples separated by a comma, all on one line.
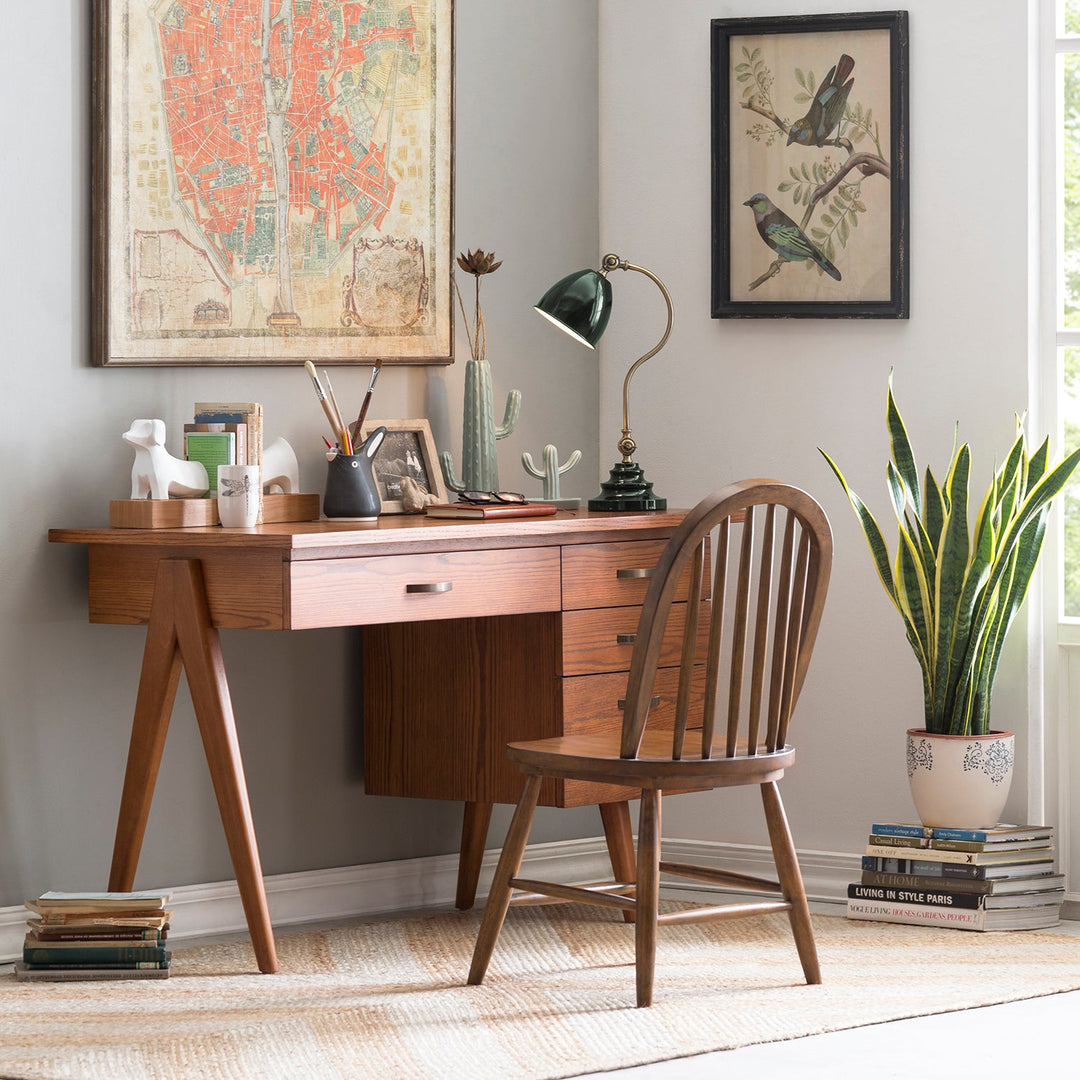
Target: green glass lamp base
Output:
[(627, 489)]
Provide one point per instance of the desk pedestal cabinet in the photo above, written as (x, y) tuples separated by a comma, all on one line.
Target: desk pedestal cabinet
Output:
[(476, 634)]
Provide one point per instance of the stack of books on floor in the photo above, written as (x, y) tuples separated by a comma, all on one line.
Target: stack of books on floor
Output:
[(973, 879), (108, 935)]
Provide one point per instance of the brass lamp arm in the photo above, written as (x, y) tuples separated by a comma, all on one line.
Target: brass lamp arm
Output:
[(627, 446)]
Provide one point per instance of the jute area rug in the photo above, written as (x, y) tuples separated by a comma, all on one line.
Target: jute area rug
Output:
[(387, 999)]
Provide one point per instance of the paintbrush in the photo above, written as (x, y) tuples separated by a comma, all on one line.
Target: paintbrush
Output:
[(324, 401), (367, 401)]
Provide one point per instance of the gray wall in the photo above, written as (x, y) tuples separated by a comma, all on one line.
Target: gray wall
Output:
[(526, 150), (731, 398), (568, 144)]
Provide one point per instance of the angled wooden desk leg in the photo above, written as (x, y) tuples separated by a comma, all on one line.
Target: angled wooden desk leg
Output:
[(620, 844), (474, 830), (153, 707), (180, 630)]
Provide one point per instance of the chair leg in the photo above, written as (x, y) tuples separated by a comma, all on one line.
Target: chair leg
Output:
[(787, 868), (509, 863), (648, 895)]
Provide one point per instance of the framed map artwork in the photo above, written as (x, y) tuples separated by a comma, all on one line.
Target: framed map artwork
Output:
[(272, 181)]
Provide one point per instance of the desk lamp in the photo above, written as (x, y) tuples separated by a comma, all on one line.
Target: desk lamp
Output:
[(580, 305)]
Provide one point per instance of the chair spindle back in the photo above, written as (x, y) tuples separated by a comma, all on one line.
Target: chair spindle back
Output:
[(766, 547)]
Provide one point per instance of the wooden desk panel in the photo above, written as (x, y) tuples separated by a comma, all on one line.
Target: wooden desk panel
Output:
[(245, 589)]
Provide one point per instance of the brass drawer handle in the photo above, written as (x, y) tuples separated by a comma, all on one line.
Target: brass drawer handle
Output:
[(636, 572), (625, 639), (430, 587), (652, 704)]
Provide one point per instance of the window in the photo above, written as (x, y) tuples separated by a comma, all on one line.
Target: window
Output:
[(1068, 276)]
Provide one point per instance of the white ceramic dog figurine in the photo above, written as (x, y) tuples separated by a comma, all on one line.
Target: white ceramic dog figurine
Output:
[(280, 468), (156, 474)]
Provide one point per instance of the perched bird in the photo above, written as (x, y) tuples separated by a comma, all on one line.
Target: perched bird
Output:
[(827, 108), (784, 236)]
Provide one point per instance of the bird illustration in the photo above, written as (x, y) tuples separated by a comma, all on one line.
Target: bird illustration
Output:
[(827, 108), (784, 236)]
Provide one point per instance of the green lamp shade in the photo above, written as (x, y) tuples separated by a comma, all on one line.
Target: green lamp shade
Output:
[(579, 304)]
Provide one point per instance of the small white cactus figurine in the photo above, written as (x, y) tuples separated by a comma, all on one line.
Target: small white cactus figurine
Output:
[(551, 471)]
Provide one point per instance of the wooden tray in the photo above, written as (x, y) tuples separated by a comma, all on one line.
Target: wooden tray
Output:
[(187, 513)]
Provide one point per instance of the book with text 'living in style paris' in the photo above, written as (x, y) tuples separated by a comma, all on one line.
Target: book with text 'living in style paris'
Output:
[(947, 896)]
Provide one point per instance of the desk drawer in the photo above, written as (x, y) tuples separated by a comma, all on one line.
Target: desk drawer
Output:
[(602, 639), (611, 575), (591, 707), (408, 588), (591, 702)]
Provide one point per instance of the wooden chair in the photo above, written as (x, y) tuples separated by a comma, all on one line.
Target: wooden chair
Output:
[(764, 612)]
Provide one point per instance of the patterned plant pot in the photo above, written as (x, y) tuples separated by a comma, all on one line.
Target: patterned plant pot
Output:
[(959, 781)]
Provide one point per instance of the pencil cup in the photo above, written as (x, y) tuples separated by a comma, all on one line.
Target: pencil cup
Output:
[(351, 492), (238, 492)]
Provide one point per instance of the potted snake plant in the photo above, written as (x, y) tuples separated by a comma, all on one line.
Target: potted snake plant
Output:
[(958, 588)]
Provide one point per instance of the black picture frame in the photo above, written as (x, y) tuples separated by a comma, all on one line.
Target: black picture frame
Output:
[(781, 74)]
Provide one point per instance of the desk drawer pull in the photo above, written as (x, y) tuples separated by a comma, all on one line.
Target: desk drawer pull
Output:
[(430, 587), (652, 704), (625, 639), (636, 572)]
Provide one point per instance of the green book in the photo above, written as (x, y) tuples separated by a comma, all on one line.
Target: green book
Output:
[(212, 448)]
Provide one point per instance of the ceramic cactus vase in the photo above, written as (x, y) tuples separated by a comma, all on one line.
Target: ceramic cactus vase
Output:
[(480, 463)]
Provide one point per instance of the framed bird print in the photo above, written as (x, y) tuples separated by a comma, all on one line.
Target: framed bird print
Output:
[(809, 166)]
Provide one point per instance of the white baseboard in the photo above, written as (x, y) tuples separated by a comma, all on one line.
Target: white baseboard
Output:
[(431, 882)]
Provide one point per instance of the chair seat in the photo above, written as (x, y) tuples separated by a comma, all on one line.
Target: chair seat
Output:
[(596, 758)]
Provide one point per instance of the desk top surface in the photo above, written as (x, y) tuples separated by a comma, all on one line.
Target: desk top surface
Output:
[(396, 533)]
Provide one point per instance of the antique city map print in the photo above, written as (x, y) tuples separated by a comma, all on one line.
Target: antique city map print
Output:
[(279, 181)]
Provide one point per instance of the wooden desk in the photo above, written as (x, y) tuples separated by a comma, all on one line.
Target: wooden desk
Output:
[(478, 633)]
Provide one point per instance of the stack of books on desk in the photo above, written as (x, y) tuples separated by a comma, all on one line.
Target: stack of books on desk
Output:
[(972, 879), (110, 935)]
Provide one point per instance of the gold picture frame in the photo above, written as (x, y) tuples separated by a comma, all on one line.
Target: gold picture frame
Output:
[(407, 450), (272, 183)]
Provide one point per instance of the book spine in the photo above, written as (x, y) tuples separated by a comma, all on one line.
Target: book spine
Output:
[(923, 881), (915, 914), (886, 828), (112, 933), (919, 866), (100, 955), (934, 897), (148, 965), (53, 974), (960, 834), (990, 845), (899, 852), (875, 841)]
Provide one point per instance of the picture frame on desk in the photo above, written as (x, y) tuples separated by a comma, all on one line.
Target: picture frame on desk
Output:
[(407, 451), (251, 217), (809, 166)]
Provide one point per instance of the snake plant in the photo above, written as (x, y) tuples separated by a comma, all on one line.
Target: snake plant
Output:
[(958, 588)]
